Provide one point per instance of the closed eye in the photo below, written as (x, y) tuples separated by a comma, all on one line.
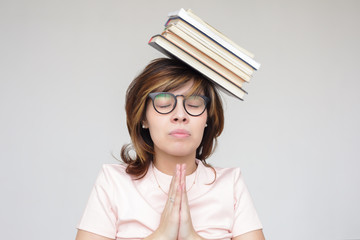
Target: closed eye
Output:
[(193, 106), (164, 106)]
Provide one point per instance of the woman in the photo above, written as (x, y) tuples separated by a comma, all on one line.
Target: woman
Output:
[(165, 189)]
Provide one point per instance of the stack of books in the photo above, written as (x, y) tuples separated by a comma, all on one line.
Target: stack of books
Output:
[(193, 41)]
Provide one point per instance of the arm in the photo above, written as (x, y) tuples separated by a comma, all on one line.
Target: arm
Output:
[(253, 235), (84, 235)]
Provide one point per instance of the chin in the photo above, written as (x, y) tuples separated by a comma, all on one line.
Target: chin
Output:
[(178, 149), (182, 152), (179, 154)]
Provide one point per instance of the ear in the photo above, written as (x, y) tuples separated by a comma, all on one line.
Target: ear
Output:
[(144, 124)]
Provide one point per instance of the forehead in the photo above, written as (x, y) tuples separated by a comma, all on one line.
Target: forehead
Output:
[(187, 88)]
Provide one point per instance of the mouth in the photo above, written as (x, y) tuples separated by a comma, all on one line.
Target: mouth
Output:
[(180, 133)]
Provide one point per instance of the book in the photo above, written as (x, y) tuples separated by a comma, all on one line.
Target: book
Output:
[(213, 46), (191, 40), (191, 14), (200, 56), (243, 72), (213, 34), (168, 48)]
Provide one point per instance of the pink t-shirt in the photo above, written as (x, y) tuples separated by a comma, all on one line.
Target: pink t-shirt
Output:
[(122, 208)]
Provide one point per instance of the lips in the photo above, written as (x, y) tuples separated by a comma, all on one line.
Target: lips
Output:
[(180, 133)]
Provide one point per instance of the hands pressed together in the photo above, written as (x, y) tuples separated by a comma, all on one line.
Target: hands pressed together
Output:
[(175, 223)]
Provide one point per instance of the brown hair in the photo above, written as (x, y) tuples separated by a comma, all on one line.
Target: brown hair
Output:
[(166, 74)]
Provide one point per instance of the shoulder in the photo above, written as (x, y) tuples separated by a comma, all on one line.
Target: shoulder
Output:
[(219, 175), (232, 174), (111, 169), (113, 173)]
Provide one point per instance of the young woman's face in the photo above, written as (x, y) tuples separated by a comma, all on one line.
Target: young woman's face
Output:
[(176, 133)]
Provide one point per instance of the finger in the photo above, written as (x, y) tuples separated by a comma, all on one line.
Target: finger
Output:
[(177, 200), (172, 187), (176, 195), (186, 228), (183, 177), (175, 182), (184, 199), (185, 210), (172, 207)]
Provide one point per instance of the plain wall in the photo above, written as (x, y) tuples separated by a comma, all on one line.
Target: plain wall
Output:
[(64, 69)]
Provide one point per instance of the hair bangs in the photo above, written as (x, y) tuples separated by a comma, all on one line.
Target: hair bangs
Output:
[(198, 87)]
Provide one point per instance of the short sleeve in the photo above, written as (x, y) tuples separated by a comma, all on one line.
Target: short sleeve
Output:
[(246, 218), (99, 216)]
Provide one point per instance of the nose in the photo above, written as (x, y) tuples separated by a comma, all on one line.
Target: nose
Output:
[(179, 115)]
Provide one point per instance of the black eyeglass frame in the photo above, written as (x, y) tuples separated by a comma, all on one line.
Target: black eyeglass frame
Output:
[(154, 94)]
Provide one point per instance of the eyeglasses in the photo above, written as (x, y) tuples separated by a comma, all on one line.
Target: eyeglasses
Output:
[(165, 102)]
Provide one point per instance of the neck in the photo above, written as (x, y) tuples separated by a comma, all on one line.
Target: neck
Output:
[(167, 163)]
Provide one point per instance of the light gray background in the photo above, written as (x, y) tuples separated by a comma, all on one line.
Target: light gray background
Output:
[(64, 69)]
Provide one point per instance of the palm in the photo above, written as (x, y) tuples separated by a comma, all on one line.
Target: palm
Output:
[(176, 219)]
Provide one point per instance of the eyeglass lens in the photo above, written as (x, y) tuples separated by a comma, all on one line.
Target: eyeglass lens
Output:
[(165, 103)]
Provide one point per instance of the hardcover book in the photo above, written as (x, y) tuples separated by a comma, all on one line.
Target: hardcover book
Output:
[(211, 45), (190, 39), (205, 59), (214, 35), (165, 46)]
